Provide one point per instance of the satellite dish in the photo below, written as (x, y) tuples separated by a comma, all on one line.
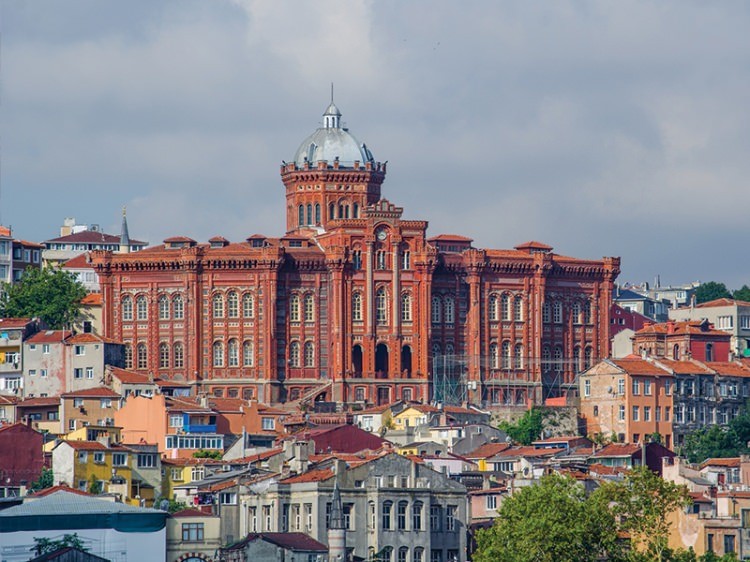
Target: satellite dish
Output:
[(609, 389)]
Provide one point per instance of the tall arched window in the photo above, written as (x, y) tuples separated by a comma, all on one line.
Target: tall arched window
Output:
[(450, 310), (141, 308), (518, 308), (436, 350), (163, 356), (558, 358), (546, 313), (449, 349), (387, 514), (494, 362), (142, 356), (588, 354), (300, 215), (576, 359), (505, 306), (576, 312), (406, 307), (248, 305), (163, 307), (218, 305), (178, 307), (381, 306), (546, 358), (676, 352), (436, 310), (518, 357), (178, 354), (248, 353), (309, 354), (355, 211), (233, 353), (492, 308), (587, 312), (309, 214), (128, 356), (294, 354), (317, 213), (309, 308), (127, 308), (557, 312), (331, 211), (506, 355), (357, 307), (218, 354), (294, 308), (233, 305)]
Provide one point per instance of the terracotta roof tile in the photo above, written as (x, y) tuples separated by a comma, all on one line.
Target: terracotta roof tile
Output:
[(92, 299), (129, 377), (81, 261), (49, 336), (96, 392), (685, 367), (722, 302), (638, 366), (92, 237), (731, 462), (14, 323), (58, 488), (315, 475), (618, 450), (40, 401), (488, 450), (726, 368)]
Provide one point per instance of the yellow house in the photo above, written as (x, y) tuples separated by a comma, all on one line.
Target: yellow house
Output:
[(413, 416), (181, 471), (89, 433), (91, 464)]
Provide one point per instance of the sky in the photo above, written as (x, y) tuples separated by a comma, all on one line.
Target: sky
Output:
[(599, 128)]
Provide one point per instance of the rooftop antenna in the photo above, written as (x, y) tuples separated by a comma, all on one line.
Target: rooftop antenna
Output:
[(331, 92)]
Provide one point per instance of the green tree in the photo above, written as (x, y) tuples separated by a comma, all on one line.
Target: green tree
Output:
[(45, 546), (719, 442), (711, 290), (203, 454), (46, 480), (552, 521), (95, 485), (742, 294), (173, 506), (642, 504), (527, 428), (53, 295)]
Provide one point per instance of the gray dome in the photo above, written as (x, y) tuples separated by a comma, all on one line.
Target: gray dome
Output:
[(331, 142)]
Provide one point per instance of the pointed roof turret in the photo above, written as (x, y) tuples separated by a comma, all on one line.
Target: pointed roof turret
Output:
[(336, 520), (124, 235), (332, 115)]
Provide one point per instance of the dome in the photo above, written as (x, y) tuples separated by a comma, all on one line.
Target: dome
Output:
[(330, 142)]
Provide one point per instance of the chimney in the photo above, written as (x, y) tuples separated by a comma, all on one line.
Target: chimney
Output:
[(670, 326)]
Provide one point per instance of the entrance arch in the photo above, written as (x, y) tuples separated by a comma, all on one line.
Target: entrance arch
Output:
[(357, 360), (406, 361), (381, 359)]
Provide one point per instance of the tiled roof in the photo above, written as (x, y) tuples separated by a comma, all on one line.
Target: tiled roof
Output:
[(14, 323), (534, 245), (92, 237), (488, 450), (59, 488), (722, 302), (692, 327), (5, 231), (190, 461), (28, 244), (638, 366), (618, 450), (604, 470), (226, 404), (731, 462), (49, 336), (527, 451), (374, 410), (290, 541), (182, 404), (85, 445), (129, 377), (40, 401), (81, 261), (88, 338), (8, 400), (685, 367), (315, 475), (97, 392), (92, 299), (173, 239), (726, 368), (450, 238)]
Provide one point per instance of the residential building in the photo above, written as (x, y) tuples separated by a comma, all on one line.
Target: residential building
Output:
[(657, 310), (80, 267), (25, 255), (683, 340), (129, 383), (624, 324), (193, 535), (13, 332), (726, 315), (42, 413), (21, 459), (276, 546), (6, 255), (58, 361), (8, 409), (112, 530), (355, 303), (90, 406), (76, 239), (391, 505), (631, 455)]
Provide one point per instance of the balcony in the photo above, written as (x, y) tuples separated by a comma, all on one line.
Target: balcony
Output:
[(199, 428)]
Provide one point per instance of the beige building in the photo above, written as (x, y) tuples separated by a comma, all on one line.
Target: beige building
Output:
[(728, 315), (193, 535)]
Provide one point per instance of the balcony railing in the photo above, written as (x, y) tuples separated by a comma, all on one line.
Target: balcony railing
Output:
[(199, 428)]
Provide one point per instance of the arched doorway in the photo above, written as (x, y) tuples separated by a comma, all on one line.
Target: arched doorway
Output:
[(357, 360), (381, 359), (406, 361)]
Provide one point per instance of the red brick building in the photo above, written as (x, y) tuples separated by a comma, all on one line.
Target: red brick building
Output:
[(355, 302)]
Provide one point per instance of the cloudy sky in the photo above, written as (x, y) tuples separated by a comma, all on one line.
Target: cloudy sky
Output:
[(600, 128)]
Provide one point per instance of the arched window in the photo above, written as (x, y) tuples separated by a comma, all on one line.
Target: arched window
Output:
[(141, 308), (492, 308), (436, 350), (576, 359), (233, 353), (403, 554), (248, 353), (317, 213), (309, 308), (494, 359), (294, 308), (309, 354), (300, 215), (356, 307), (558, 358), (218, 305), (218, 354), (401, 511), (546, 313), (436, 312), (381, 306), (331, 212), (676, 352), (450, 310), (557, 312), (309, 214), (355, 211), (142, 356), (386, 515), (233, 305), (163, 356), (248, 305), (587, 312), (294, 354), (418, 554), (506, 355), (505, 306), (576, 312), (406, 307), (449, 349), (518, 357), (406, 259), (546, 358), (163, 307), (587, 357), (128, 356), (518, 309), (127, 308), (178, 354), (709, 352), (178, 307)]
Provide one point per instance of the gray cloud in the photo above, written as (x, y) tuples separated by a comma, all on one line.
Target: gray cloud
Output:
[(599, 128)]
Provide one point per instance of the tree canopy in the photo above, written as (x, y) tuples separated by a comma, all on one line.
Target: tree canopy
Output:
[(742, 294), (715, 441), (711, 290), (53, 295), (527, 428)]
